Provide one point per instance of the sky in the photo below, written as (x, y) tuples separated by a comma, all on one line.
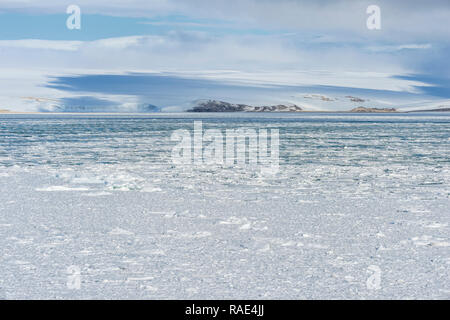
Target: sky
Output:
[(129, 55)]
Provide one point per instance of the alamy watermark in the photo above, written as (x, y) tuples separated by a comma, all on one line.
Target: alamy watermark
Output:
[(374, 280), (243, 147), (74, 20), (73, 277), (374, 20)]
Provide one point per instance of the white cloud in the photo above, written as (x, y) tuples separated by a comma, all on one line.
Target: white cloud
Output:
[(119, 42), (190, 51), (242, 60), (41, 44), (402, 20), (400, 47), (312, 43)]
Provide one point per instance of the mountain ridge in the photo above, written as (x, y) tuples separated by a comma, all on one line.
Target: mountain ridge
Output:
[(222, 106)]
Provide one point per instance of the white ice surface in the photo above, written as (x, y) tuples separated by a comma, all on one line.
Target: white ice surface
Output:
[(347, 196)]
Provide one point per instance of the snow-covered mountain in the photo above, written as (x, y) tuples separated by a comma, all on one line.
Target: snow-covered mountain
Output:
[(221, 106)]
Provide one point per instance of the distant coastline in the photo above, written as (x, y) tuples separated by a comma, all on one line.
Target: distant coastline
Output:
[(372, 110), (221, 106), (216, 106), (184, 112), (433, 110)]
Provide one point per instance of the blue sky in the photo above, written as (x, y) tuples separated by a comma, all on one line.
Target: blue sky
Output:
[(170, 53), (22, 25)]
